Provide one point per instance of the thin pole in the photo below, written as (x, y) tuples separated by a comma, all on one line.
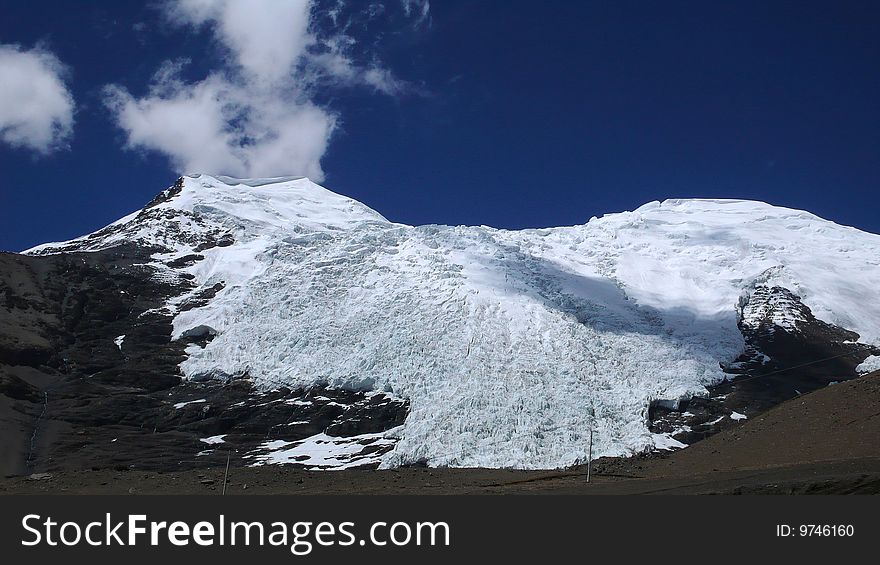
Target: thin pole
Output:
[(226, 476), (590, 457)]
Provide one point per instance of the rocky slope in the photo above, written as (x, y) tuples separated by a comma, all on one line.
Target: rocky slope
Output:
[(89, 378)]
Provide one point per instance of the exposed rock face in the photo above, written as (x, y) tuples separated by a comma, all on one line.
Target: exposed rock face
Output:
[(89, 377), (787, 352), (780, 331)]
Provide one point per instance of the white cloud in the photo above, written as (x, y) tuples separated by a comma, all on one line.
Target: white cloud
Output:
[(36, 108), (256, 115), (266, 38), (219, 126), (421, 9)]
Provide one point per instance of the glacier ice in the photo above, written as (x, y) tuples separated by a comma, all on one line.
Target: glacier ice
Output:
[(509, 345)]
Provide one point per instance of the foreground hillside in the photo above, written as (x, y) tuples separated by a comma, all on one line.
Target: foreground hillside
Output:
[(824, 442)]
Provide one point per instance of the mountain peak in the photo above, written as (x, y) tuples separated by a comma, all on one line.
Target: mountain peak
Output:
[(202, 207), (724, 206), (288, 201)]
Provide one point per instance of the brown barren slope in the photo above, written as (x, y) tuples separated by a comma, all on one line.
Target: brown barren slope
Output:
[(836, 423)]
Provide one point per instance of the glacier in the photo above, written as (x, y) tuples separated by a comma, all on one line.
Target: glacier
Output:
[(510, 345)]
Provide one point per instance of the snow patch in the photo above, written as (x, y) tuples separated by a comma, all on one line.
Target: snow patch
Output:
[(869, 365), (322, 451), (665, 442), (180, 405)]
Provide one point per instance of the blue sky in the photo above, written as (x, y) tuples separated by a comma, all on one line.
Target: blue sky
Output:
[(506, 113)]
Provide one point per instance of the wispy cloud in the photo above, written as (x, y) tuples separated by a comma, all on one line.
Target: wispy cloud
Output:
[(256, 114), (36, 107), (420, 9)]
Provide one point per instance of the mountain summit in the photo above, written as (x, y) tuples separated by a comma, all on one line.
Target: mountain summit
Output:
[(509, 347)]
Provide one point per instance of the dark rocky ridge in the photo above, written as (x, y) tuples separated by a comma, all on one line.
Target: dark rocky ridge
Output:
[(779, 362), (70, 398)]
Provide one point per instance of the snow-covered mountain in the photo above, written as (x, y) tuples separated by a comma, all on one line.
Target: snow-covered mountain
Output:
[(510, 346)]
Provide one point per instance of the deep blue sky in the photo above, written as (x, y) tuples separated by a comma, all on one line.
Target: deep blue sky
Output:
[(534, 113)]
